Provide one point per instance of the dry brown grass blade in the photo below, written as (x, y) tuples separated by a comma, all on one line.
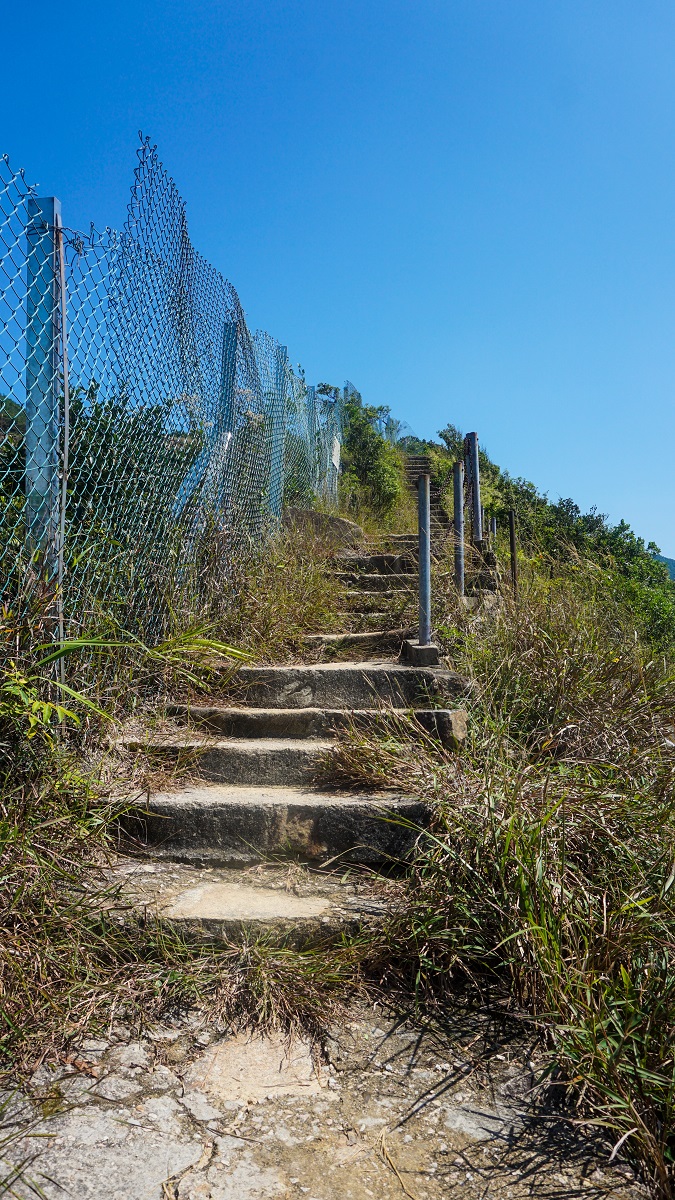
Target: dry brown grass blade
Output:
[(385, 1155)]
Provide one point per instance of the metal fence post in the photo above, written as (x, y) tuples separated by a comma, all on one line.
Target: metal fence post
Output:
[(473, 472), (278, 430), (65, 450), (42, 382), (424, 536), (310, 395), (493, 528), (512, 544), (228, 373), (458, 522)]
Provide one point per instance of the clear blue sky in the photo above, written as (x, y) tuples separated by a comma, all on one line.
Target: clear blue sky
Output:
[(465, 207)]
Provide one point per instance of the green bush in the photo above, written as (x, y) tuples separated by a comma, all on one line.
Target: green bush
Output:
[(372, 468)]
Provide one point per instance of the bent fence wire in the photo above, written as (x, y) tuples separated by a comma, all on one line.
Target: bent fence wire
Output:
[(147, 439)]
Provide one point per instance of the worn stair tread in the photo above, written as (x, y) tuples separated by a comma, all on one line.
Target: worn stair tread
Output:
[(196, 795), (379, 563), (381, 593), (225, 824), (447, 725), (375, 666), (347, 685), (177, 740), (225, 902), (353, 637), (241, 760), (374, 578)]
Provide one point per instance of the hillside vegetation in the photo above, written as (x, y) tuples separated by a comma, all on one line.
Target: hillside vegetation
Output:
[(547, 884), (545, 888)]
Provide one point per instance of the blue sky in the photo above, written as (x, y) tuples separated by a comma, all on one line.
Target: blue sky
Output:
[(465, 207)]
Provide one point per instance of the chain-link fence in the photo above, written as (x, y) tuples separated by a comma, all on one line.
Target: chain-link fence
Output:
[(147, 438)]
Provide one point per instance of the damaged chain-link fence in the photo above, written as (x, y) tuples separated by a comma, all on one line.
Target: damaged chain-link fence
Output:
[(147, 438)]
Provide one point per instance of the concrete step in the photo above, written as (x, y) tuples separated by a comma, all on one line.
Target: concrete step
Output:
[(298, 905), (260, 761), (355, 643), (396, 601), (448, 725), (367, 621), (377, 583), (234, 826), (347, 685), (379, 563)]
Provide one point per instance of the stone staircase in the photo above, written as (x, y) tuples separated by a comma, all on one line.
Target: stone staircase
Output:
[(258, 793), (420, 464)]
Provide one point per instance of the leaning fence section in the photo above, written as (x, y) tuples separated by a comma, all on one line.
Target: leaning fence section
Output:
[(148, 439)]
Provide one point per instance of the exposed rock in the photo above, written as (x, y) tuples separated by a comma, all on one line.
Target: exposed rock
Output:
[(256, 1119)]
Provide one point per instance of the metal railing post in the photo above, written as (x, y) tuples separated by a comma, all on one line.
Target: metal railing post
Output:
[(424, 535), (458, 523), (42, 378), (493, 528), (278, 430), (512, 545), (473, 471)]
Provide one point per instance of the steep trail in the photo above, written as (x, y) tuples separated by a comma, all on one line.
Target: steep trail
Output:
[(258, 795)]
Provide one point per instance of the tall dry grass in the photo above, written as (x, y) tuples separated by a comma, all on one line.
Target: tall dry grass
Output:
[(549, 870), (72, 955)]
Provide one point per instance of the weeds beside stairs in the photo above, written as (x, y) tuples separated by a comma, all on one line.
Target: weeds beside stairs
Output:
[(259, 794)]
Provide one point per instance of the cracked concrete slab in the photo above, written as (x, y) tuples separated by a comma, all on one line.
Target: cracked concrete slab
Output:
[(192, 1112)]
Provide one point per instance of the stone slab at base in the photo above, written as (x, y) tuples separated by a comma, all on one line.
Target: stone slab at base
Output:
[(420, 656), (292, 903)]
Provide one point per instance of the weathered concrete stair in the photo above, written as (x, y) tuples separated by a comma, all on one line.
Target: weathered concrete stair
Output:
[(420, 464), (241, 825), (268, 723), (256, 763), (382, 563), (347, 685), (258, 760), (375, 582)]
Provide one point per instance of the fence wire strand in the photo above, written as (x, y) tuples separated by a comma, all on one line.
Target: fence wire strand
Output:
[(182, 435)]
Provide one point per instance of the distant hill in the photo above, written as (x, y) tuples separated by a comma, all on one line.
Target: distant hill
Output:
[(670, 563)]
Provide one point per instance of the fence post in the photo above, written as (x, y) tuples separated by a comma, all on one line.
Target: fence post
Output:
[(65, 452), (493, 528), (512, 543), (228, 373), (278, 430), (424, 536), (312, 435), (473, 473), (42, 382), (458, 522)]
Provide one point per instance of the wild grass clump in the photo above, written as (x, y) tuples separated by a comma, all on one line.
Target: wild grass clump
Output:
[(271, 600), (73, 955), (549, 872)]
